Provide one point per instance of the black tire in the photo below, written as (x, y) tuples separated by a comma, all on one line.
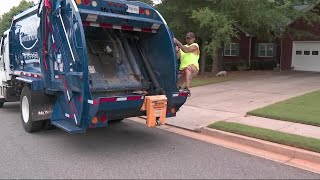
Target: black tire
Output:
[(1, 104), (25, 110)]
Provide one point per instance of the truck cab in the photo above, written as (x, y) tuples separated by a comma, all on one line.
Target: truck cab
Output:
[(4, 58), (5, 71)]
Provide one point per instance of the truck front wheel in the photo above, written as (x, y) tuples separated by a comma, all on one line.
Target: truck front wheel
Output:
[(1, 104), (25, 109)]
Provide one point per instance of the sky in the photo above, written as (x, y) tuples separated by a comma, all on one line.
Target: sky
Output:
[(6, 5)]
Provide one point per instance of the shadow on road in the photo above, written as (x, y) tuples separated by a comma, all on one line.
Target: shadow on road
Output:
[(121, 135), (116, 138), (11, 107)]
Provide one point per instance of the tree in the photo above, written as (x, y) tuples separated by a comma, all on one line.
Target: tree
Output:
[(220, 30), (5, 20), (268, 19), (214, 20), (178, 15)]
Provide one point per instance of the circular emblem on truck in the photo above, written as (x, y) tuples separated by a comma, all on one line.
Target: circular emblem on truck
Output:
[(28, 32)]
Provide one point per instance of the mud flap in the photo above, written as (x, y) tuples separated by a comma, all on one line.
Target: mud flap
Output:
[(41, 106)]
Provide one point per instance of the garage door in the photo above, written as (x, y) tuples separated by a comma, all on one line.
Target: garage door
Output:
[(306, 56)]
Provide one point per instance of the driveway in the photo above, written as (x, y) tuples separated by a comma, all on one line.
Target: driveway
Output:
[(248, 91)]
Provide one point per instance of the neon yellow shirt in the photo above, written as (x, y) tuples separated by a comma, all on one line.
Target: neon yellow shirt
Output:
[(189, 58)]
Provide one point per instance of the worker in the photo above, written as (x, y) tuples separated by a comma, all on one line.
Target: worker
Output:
[(189, 61)]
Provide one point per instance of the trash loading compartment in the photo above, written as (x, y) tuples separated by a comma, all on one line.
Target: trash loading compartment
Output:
[(138, 60), (113, 65)]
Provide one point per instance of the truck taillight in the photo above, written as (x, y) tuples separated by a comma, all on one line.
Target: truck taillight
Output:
[(173, 110), (144, 11), (79, 2), (103, 118), (86, 2), (141, 11), (147, 12), (94, 120), (183, 94)]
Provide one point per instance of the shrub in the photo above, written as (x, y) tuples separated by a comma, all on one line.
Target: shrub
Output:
[(270, 64), (267, 64), (242, 66), (227, 66), (255, 65)]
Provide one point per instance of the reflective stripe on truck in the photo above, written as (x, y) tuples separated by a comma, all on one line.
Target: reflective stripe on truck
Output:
[(125, 28), (115, 99), (28, 74)]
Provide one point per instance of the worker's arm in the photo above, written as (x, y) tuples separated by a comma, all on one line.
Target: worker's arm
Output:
[(185, 49)]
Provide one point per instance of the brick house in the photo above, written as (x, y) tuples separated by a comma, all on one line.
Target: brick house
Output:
[(288, 53)]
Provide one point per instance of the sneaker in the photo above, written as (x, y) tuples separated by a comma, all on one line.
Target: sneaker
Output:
[(180, 89), (188, 91)]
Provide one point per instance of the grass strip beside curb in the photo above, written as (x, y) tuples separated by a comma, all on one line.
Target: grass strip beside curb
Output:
[(293, 140), (302, 109)]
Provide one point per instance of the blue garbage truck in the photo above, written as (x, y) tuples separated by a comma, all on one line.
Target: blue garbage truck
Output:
[(80, 64)]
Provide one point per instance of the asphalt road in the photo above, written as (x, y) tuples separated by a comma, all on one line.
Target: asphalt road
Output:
[(124, 150)]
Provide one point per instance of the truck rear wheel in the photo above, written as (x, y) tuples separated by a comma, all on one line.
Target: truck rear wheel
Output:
[(25, 109)]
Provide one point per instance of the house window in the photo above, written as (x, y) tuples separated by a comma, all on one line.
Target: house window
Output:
[(298, 52), (307, 53), (231, 49), (266, 50), (315, 53)]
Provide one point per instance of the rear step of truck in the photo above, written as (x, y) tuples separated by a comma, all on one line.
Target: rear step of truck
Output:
[(154, 106), (68, 126)]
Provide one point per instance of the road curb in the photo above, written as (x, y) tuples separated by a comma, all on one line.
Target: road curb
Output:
[(294, 153), (291, 156)]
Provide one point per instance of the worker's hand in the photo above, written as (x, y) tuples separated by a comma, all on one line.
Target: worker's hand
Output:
[(177, 48)]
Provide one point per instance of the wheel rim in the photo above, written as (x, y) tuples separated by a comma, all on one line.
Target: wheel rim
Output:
[(25, 109)]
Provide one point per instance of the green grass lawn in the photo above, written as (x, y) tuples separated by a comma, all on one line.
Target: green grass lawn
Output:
[(293, 140), (202, 80), (302, 109)]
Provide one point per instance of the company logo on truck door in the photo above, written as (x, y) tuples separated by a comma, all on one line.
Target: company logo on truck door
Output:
[(28, 32)]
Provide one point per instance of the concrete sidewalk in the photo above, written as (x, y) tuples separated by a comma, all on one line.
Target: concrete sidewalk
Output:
[(230, 101)]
